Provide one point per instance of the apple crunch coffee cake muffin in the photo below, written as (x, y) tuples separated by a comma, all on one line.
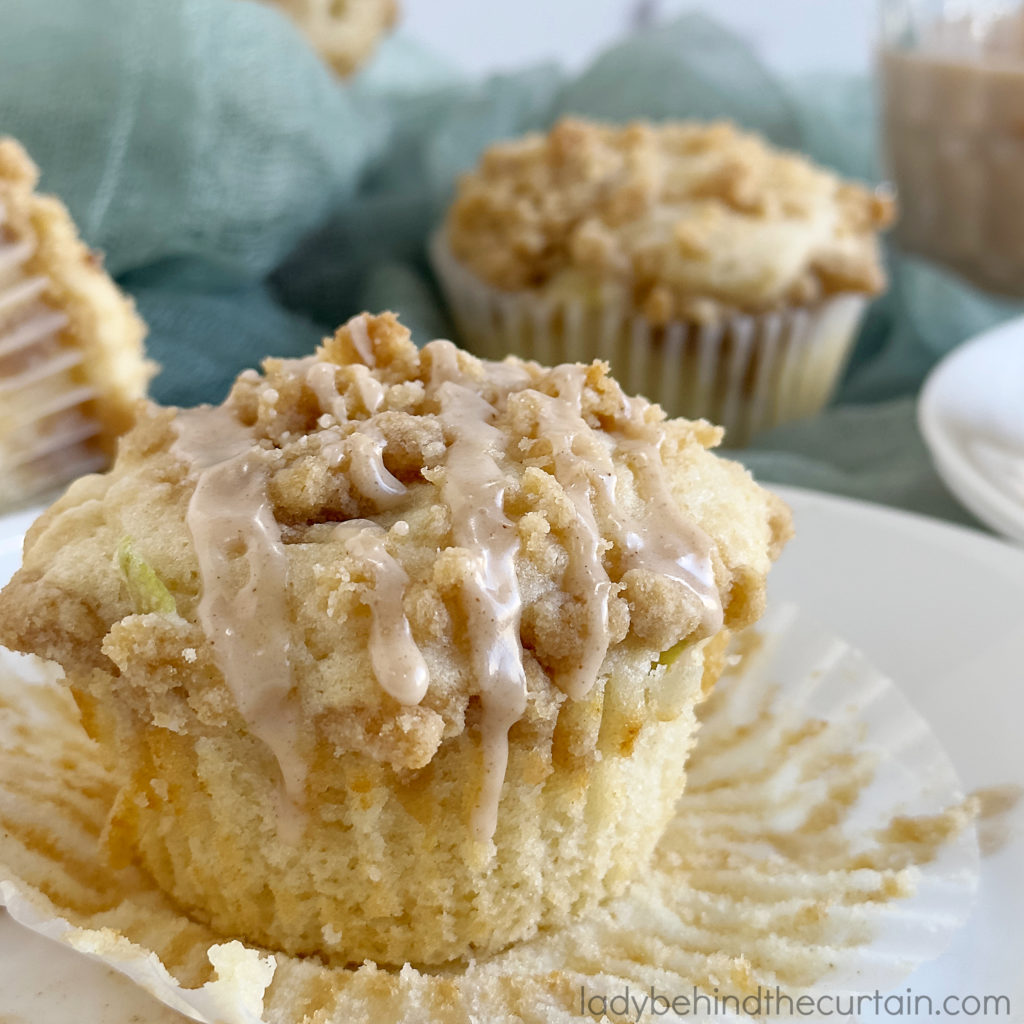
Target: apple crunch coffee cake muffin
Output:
[(717, 274), (72, 366), (397, 651)]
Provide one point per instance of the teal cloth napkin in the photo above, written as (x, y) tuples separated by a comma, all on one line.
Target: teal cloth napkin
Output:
[(250, 202)]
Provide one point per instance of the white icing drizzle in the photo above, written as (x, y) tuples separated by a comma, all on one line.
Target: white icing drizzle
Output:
[(662, 539), (322, 381), (230, 518), (579, 456), (397, 661), (230, 507), (363, 449), (360, 337), (369, 389), (508, 375), (474, 489)]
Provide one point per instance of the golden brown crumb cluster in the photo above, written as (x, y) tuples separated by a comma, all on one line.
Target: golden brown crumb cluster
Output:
[(73, 604), (683, 220), (343, 32)]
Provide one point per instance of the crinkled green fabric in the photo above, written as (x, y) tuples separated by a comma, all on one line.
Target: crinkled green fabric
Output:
[(250, 201)]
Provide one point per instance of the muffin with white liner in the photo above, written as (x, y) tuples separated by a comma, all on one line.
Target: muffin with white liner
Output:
[(719, 276), (397, 652), (71, 358)]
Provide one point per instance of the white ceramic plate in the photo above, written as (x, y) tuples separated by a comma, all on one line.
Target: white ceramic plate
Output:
[(937, 607), (971, 413)]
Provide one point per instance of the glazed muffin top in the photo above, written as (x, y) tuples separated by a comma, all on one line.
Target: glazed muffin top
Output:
[(682, 220), (378, 538), (41, 249)]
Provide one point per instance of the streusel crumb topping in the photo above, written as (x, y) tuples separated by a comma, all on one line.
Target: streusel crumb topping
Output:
[(390, 542), (682, 219)]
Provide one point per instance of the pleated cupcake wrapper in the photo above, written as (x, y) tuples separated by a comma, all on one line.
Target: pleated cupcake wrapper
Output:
[(747, 373), (47, 435), (823, 846)]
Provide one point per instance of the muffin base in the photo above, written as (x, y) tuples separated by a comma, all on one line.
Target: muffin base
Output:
[(746, 372), (583, 806), (737, 894)]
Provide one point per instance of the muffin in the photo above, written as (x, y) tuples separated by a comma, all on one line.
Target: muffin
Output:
[(397, 652), (717, 275), (71, 357), (344, 32)]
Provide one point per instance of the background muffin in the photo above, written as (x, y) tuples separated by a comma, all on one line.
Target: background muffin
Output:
[(398, 651), (344, 32), (71, 356), (719, 276)]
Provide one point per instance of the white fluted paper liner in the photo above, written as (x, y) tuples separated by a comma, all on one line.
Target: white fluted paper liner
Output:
[(823, 845), (47, 433), (747, 373)]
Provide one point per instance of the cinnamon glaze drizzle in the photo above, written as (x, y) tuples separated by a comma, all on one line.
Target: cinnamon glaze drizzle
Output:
[(230, 517)]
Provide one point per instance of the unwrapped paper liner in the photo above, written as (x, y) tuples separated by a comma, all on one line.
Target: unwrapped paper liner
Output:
[(823, 846), (745, 372), (47, 430)]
